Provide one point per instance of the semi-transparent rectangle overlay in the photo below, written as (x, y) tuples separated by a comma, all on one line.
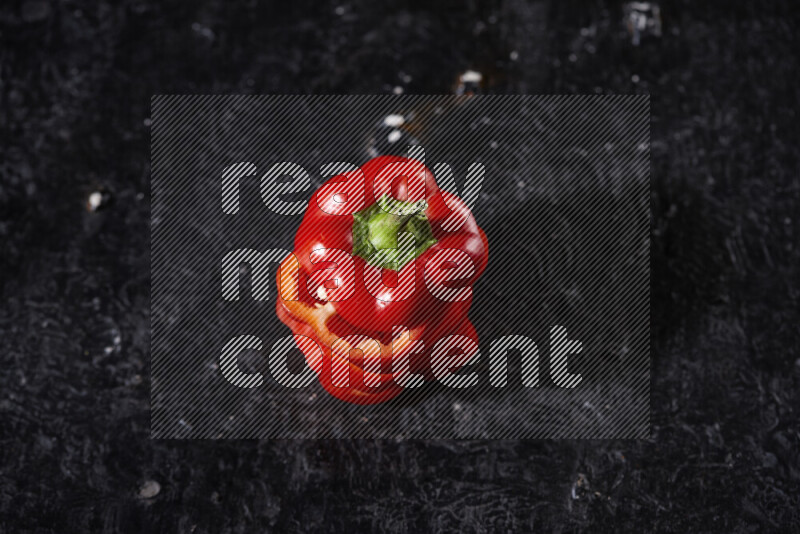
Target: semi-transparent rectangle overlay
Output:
[(551, 341)]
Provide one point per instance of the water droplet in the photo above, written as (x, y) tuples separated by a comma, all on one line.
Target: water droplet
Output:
[(394, 136), (642, 19), (394, 121), (149, 489), (97, 200), (469, 82)]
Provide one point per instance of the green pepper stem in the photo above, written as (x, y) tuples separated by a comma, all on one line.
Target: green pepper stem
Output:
[(377, 227)]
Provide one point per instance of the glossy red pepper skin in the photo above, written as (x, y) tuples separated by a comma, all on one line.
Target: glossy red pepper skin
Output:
[(321, 229), (319, 318)]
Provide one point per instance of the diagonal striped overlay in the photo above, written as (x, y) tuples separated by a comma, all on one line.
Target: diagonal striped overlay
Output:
[(564, 203)]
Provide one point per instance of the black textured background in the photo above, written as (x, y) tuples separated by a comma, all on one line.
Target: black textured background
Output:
[(75, 84)]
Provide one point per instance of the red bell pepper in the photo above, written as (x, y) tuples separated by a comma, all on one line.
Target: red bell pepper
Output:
[(348, 285)]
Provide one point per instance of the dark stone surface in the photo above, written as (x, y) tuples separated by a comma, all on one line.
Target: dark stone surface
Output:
[(75, 454)]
